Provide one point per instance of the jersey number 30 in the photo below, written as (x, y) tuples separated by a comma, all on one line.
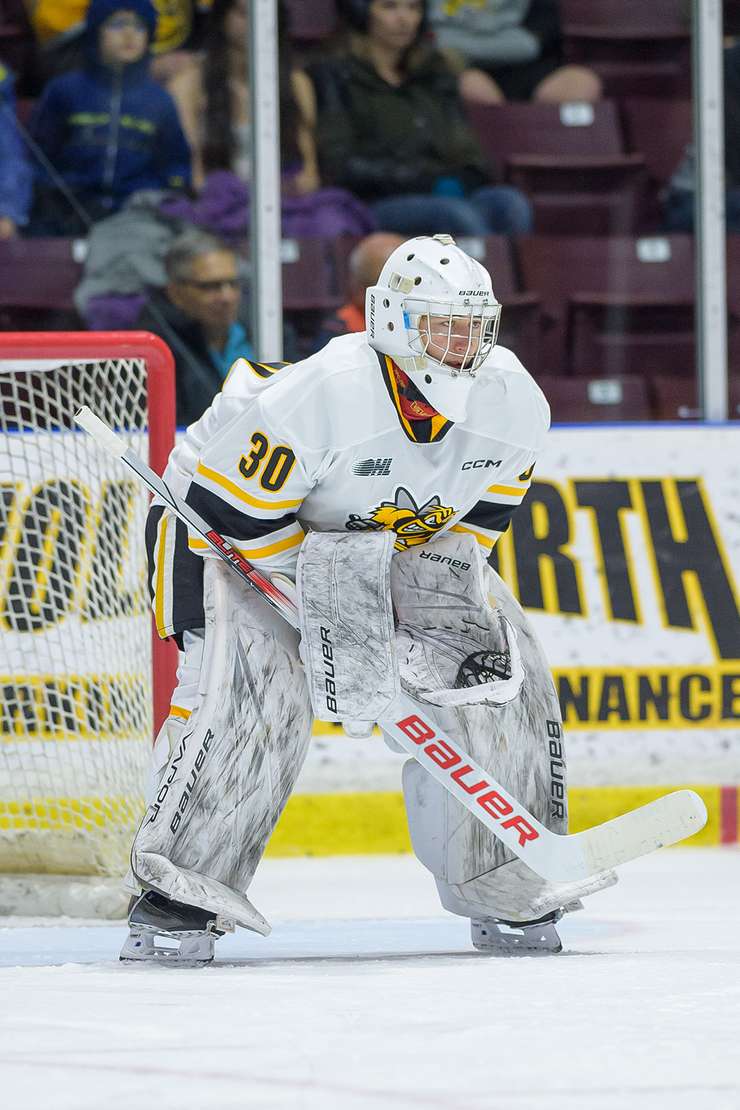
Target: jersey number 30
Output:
[(275, 463)]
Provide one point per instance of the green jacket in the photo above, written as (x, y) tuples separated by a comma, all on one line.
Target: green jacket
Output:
[(379, 140)]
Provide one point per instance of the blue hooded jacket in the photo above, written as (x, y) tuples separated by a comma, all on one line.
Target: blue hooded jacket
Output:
[(109, 132), (15, 171)]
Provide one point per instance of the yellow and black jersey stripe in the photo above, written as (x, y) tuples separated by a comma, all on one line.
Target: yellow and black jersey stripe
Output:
[(175, 575), (418, 431), (492, 515), (229, 521), (262, 370), (256, 537)]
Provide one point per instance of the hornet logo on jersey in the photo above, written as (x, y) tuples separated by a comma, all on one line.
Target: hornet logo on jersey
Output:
[(372, 468), (413, 524)]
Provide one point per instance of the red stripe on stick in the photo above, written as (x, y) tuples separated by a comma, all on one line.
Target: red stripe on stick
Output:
[(728, 814)]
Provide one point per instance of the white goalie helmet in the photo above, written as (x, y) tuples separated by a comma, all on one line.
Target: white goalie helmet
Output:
[(434, 312)]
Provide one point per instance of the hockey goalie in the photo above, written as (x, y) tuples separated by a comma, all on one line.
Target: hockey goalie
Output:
[(370, 482)]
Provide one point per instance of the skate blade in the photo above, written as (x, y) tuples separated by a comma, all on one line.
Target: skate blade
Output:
[(190, 950), (497, 939)]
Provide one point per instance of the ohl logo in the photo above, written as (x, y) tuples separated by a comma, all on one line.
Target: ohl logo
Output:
[(413, 524)]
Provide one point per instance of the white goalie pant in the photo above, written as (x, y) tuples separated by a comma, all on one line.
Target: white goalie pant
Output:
[(520, 742), (224, 773)]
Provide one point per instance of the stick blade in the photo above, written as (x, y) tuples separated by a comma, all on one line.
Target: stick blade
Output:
[(665, 821)]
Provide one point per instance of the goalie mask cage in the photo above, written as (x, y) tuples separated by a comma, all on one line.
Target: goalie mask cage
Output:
[(84, 681)]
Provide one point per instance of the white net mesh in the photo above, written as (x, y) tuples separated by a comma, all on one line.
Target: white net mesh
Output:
[(75, 631)]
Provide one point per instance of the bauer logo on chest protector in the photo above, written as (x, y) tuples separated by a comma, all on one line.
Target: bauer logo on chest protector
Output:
[(372, 468), (413, 524)]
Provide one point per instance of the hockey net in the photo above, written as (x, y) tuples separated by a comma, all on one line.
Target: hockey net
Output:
[(79, 699)]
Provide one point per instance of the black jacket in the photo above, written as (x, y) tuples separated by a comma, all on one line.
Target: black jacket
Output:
[(378, 140), (197, 379)]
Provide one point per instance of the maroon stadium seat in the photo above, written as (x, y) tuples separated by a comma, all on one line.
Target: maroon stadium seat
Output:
[(733, 407), (674, 398), (580, 400), (309, 276), (37, 280), (571, 160), (659, 129), (613, 306), (678, 398), (637, 48), (311, 20), (733, 301)]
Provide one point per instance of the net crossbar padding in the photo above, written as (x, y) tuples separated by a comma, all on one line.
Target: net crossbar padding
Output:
[(80, 688)]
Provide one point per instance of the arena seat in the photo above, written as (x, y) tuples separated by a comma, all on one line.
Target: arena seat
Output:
[(612, 306), (580, 400), (309, 276), (674, 398), (37, 280), (678, 398), (311, 20), (660, 129), (637, 48), (570, 159)]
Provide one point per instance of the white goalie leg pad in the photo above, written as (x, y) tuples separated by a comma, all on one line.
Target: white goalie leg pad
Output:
[(521, 743), (347, 629), (236, 761), (454, 647), (184, 699)]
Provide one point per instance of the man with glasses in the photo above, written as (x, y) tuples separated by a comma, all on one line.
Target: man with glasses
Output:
[(198, 316)]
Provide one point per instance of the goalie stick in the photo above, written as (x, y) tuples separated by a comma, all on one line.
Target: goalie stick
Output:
[(553, 856)]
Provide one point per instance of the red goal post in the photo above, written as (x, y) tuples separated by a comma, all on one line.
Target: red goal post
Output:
[(84, 681)]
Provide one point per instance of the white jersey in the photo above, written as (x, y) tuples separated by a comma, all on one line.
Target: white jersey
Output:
[(323, 444)]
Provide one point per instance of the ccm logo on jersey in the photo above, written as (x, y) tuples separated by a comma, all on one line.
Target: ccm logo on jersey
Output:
[(480, 464), (445, 756), (329, 684)]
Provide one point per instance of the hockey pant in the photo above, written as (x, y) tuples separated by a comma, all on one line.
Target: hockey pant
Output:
[(228, 756)]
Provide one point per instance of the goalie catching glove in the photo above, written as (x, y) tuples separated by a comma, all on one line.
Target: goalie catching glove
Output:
[(450, 647)]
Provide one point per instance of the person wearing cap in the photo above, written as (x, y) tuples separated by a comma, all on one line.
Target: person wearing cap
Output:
[(107, 130)]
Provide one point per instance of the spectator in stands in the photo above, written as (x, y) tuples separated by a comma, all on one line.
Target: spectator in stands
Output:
[(15, 172), (391, 128), (59, 26), (213, 101), (108, 129), (364, 265), (198, 316), (679, 198), (513, 48)]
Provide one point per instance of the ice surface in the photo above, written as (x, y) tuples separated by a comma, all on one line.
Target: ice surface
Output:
[(367, 996)]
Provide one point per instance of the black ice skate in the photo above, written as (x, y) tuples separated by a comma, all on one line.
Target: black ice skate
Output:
[(188, 932), (517, 938)]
